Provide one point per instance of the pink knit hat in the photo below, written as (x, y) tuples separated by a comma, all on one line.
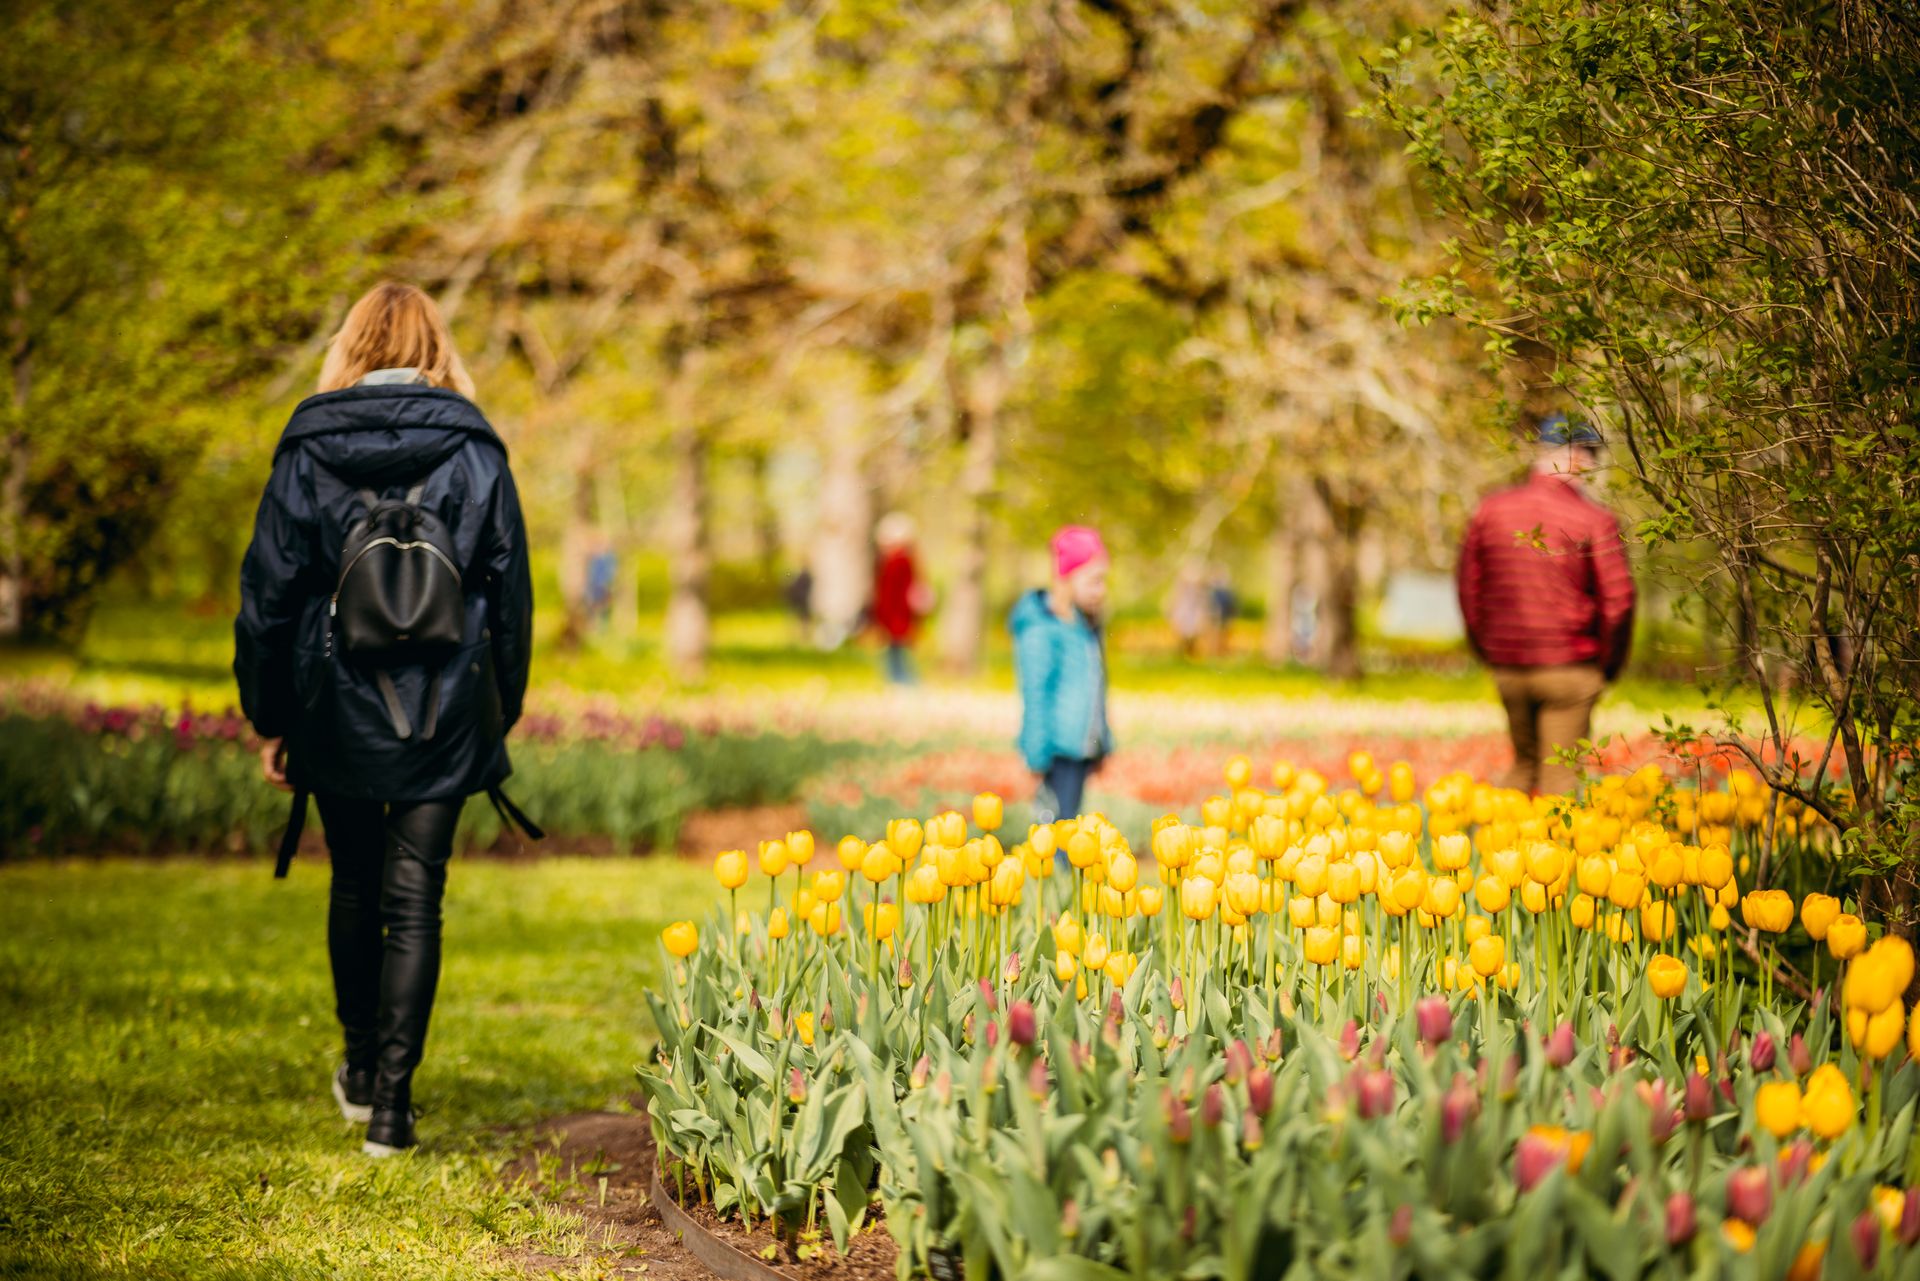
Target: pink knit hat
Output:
[(1074, 546)]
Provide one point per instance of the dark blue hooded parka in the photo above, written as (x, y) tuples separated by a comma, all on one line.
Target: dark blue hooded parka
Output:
[(293, 683)]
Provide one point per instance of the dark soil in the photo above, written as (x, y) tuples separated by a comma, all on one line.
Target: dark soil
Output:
[(625, 1235)]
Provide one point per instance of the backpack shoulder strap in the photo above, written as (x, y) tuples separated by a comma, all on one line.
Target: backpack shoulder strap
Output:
[(413, 495)]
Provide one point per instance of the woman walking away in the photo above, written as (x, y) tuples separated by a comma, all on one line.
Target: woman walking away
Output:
[(1059, 652), (381, 649)]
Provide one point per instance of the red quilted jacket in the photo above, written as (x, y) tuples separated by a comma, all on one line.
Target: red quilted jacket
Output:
[(1544, 579)]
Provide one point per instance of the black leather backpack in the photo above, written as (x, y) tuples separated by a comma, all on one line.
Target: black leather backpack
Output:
[(400, 600)]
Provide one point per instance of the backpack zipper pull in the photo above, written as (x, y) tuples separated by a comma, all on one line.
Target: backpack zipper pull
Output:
[(333, 605)]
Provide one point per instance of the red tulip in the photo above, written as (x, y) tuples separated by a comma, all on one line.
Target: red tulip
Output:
[(1799, 1058), (1259, 1091), (1866, 1238), (1020, 1023), (1179, 1119), (1459, 1107), (1681, 1221), (1213, 1106), (1699, 1097), (1909, 1231), (1239, 1062), (1749, 1194), (1373, 1093), (1760, 1057), (1350, 1041), (1400, 1228)]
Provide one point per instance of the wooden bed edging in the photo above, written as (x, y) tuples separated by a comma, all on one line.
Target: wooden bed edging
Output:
[(726, 1262)]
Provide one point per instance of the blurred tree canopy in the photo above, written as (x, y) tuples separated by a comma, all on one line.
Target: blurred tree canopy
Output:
[(1001, 263), (1706, 215)]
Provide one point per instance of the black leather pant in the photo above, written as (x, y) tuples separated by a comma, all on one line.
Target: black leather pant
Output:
[(383, 930)]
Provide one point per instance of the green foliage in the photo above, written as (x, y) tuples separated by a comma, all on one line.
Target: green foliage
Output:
[(182, 183), (1703, 219)]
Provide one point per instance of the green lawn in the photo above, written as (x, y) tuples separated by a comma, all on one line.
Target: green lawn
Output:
[(169, 1037)]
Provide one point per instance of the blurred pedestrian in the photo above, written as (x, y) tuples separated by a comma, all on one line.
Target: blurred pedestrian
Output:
[(1223, 604), (1060, 655), (1547, 596), (1187, 609), (386, 619), (899, 597)]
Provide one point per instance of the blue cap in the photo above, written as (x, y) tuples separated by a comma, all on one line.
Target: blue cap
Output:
[(1557, 429)]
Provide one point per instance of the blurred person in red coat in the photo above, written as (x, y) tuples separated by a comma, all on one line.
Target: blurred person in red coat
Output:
[(1547, 596), (900, 599)]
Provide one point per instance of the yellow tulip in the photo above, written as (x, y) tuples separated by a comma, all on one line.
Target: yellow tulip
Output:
[(1477, 928), (1064, 966), (1827, 1107), (1879, 976), (681, 938), (1716, 866), (1533, 896), (1066, 934), (1913, 1034), (1396, 849), (1846, 936), (1451, 852), (803, 1026), (1197, 895), (1817, 913), (1040, 838), (1667, 868), (1491, 893), (1878, 1034), (1768, 910), (1310, 874), (1667, 976), (1626, 890), (1321, 946), (1443, 897), (1594, 874), (1580, 911), (881, 920), (1149, 899), (1488, 955), (777, 926), (1656, 922), (1410, 887), (988, 812), (1545, 862), (829, 885), (730, 869), (824, 919), (1003, 888), (800, 847), (924, 885), (880, 863), (773, 857), (904, 838), (1353, 951), (851, 852), (1243, 893), (1776, 1105)]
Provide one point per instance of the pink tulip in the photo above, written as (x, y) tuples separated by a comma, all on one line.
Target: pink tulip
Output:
[(1866, 1238), (1749, 1194), (1681, 1220), (1259, 1091), (1350, 1041), (1533, 1158), (1400, 1227), (1458, 1108), (1560, 1046), (1239, 1062), (1373, 1094), (1037, 1081), (1434, 1017), (1213, 1106), (1760, 1057), (1699, 1098), (1799, 1058), (1909, 1231)]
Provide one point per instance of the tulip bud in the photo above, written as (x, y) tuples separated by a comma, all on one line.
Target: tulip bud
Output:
[(918, 1078), (1760, 1057), (1560, 1046), (906, 971), (1213, 1106), (1239, 1061), (1533, 1159), (1037, 1083), (993, 1033), (796, 1087), (1374, 1094), (1749, 1195), (1699, 1098), (1116, 1008), (1161, 1033), (1796, 1162), (986, 995), (1177, 993), (1458, 1108), (1434, 1018), (1908, 1233), (1681, 1219), (1010, 972), (943, 1087), (1020, 1023), (1259, 1091), (1251, 1135), (1866, 1238), (1271, 1051), (1350, 1041), (1400, 1227), (1179, 1119), (1799, 1058)]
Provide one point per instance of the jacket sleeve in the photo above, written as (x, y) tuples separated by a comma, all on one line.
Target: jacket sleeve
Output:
[(1467, 576), (1613, 590), (509, 598), (271, 592), (1038, 666)]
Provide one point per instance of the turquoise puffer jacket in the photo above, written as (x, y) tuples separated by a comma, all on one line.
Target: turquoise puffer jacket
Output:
[(1063, 685)]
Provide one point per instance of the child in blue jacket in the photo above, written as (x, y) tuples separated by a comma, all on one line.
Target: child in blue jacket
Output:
[(1059, 652)]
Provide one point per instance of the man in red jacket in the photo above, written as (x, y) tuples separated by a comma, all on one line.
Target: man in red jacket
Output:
[(1547, 596)]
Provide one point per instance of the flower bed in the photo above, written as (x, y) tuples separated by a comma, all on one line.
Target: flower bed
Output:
[(86, 778), (1328, 1031)]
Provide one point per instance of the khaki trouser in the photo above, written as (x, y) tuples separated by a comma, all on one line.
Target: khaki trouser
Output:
[(1548, 708)]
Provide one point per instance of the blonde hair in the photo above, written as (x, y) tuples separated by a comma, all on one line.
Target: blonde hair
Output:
[(395, 326)]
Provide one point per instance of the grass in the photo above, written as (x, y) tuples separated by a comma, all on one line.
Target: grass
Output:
[(126, 657), (163, 1081)]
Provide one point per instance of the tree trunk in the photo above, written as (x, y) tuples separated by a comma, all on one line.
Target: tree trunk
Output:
[(687, 631), (1313, 534), (13, 489), (1283, 569), (841, 554), (963, 615), (579, 542), (766, 517)]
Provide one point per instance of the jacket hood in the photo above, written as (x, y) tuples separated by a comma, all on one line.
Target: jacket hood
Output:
[(381, 435), (1031, 610)]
